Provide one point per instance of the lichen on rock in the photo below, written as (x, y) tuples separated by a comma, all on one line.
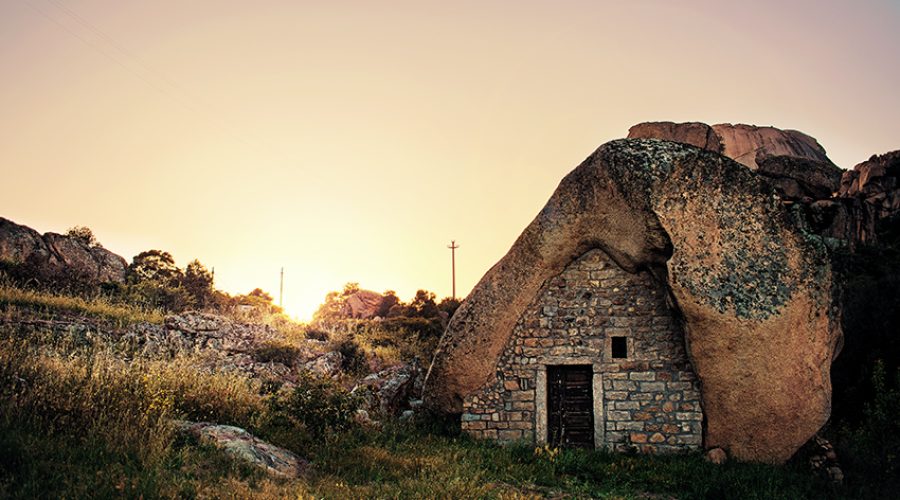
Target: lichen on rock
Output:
[(753, 293)]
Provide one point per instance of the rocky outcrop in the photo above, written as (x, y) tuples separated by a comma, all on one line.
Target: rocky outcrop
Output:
[(745, 144), (362, 304), (388, 392), (58, 256), (793, 162), (845, 206), (243, 446), (754, 292)]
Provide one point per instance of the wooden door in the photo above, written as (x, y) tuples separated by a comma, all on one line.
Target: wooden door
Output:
[(570, 406)]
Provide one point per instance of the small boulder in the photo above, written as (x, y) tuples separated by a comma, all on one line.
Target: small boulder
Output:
[(716, 456), (244, 446)]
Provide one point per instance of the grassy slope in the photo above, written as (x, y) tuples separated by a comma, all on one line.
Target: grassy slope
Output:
[(79, 424)]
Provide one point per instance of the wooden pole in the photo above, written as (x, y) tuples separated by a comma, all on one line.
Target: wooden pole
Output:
[(453, 246)]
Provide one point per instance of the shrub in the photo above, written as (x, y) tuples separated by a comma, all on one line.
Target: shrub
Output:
[(870, 448), (353, 358), (315, 409), (316, 334), (276, 353)]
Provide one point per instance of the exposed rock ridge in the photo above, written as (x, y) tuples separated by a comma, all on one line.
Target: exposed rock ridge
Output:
[(745, 144), (753, 290), (845, 206), (57, 255)]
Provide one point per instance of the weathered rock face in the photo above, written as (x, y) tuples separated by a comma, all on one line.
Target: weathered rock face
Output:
[(387, 393), (838, 204), (54, 255), (362, 304), (754, 292), (793, 162), (745, 144), (246, 447)]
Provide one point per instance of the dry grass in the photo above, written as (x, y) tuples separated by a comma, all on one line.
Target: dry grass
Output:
[(52, 304)]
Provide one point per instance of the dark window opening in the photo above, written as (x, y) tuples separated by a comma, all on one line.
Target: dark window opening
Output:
[(619, 347)]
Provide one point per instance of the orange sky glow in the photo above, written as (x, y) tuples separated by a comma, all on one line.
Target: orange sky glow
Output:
[(352, 140)]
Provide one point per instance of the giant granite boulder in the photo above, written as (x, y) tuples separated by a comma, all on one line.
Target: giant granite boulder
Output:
[(793, 162), (843, 205), (55, 255), (754, 291)]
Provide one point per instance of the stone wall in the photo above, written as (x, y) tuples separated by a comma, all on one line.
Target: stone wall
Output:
[(648, 401)]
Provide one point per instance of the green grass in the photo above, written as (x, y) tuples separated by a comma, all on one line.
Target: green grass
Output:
[(81, 422)]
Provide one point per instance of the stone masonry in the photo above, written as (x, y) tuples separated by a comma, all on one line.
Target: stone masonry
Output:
[(648, 401)]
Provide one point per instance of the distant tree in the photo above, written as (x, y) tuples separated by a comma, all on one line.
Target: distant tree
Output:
[(388, 301), (156, 266), (84, 235), (260, 295), (198, 282), (423, 305), (449, 305), (331, 308), (350, 289)]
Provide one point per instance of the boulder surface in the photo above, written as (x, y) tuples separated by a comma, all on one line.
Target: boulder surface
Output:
[(754, 291), (55, 255)]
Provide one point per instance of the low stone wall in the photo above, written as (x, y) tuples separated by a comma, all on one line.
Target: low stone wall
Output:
[(648, 401)]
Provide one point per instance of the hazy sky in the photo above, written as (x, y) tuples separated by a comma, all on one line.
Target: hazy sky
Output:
[(350, 141)]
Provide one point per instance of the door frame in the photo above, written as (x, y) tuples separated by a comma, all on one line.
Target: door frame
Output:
[(541, 394)]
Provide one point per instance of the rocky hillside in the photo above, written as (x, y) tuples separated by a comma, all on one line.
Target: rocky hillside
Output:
[(53, 255)]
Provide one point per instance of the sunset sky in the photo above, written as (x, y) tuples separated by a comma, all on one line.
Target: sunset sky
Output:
[(352, 140)]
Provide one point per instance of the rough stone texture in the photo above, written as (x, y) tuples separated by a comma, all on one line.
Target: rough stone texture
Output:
[(651, 399), (754, 292), (222, 345), (868, 194), (793, 162), (745, 144), (363, 304), (843, 206), (19, 243), (387, 393), (244, 446), (54, 255)]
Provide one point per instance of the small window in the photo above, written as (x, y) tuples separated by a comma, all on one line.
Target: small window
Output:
[(619, 347)]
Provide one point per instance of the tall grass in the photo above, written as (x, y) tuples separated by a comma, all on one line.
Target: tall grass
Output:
[(54, 304)]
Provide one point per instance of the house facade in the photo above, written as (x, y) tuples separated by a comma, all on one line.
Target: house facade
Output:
[(597, 360)]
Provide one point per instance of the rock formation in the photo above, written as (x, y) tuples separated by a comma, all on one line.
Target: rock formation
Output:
[(745, 144), (846, 206), (362, 304), (55, 255), (754, 291), (246, 447)]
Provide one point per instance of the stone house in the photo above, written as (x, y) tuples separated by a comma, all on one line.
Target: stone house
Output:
[(597, 360)]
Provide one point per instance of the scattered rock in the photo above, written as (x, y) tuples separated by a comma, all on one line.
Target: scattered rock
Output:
[(326, 365), (388, 392), (244, 446), (823, 459), (716, 456)]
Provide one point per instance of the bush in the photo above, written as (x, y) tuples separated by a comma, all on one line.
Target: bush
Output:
[(353, 358), (314, 410), (276, 353), (871, 449)]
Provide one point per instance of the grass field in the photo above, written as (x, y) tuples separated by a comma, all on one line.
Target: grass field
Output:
[(81, 422)]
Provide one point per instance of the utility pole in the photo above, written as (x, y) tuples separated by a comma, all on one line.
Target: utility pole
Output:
[(281, 290), (453, 246)]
